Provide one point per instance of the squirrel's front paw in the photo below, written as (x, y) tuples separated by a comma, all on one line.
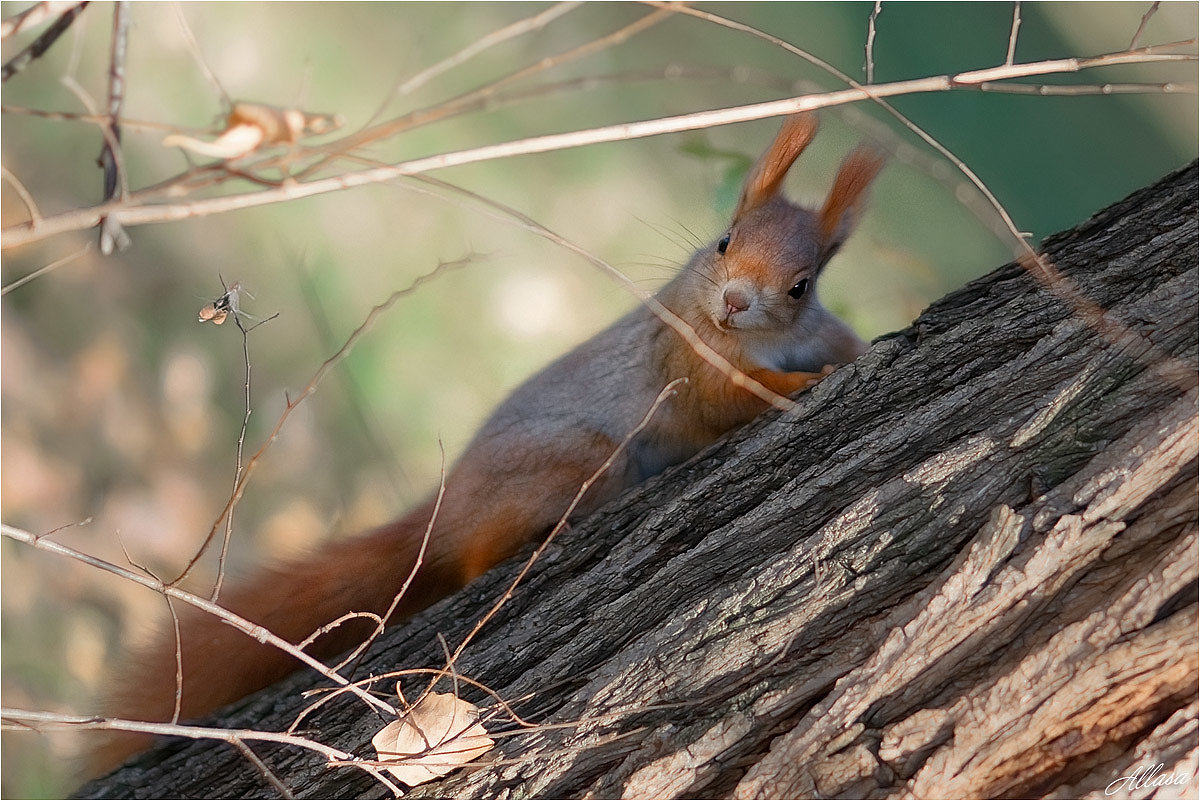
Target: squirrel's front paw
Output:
[(817, 377)]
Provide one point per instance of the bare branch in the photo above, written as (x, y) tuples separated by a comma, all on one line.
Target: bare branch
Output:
[(248, 628), (262, 768), (666, 393), (412, 573), (194, 48), (450, 107), (871, 20), (518, 28), (676, 323), (382, 620), (1012, 34), (98, 119), (40, 720), (1029, 258), (241, 442), (43, 43), (130, 213), (112, 235), (1076, 90), (311, 387), (478, 98), (23, 193), (359, 406), (54, 265), (177, 637), (1142, 25), (35, 15)]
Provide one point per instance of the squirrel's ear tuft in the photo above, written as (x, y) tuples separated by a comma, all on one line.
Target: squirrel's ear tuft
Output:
[(767, 175), (842, 207)]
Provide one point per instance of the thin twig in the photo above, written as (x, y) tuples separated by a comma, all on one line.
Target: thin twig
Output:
[(1012, 34), (518, 28), (1033, 262), (229, 298), (112, 235), (1079, 90), (329, 694), (100, 119), (335, 757), (666, 393), (77, 45), (34, 15), (1141, 28), (43, 43), (35, 215), (266, 772), (194, 49), (311, 387), (871, 20), (412, 573), (381, 621), (334, 624), (372, 435), (676, 323), (488, 97), (132, 214), (386, 130), (112, 145), (253, 630), (241, 443), (54, 265), (177, 636)]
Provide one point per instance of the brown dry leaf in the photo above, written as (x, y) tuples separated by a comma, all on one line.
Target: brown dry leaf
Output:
[(253, 124), (439, 734), (210, 313), (234, 142)]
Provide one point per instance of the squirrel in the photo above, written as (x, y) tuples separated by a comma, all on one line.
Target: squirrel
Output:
[(751, 296)]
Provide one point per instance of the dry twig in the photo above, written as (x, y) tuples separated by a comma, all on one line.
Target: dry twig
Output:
[(248, 628), (132, 212), (40, 720), (40, 45), (1011, 54), (36, 15)]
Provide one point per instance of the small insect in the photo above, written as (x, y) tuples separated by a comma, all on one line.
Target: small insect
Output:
[(222, 307)]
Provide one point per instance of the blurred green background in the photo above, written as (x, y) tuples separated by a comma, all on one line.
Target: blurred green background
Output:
[(119, 407)]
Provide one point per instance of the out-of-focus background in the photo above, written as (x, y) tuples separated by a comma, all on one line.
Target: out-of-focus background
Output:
[(120, 408)]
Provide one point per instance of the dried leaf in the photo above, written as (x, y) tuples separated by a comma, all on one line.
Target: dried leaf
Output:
[(251, 125), (236, 141), (439, 734), (210, 313), (222, 307)]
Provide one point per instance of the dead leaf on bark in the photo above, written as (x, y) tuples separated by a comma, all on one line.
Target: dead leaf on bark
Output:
[(438, 735)]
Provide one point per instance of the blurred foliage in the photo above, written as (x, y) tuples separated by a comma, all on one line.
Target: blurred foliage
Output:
[(120, 408)]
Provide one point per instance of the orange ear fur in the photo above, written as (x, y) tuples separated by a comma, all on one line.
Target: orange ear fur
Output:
[(767, 175), (848, 192)]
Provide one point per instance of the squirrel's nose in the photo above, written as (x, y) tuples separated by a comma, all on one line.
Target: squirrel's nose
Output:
[(736, 300)]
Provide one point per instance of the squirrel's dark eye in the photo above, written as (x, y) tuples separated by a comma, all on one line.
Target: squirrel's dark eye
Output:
[(723, 244), (799, 289)]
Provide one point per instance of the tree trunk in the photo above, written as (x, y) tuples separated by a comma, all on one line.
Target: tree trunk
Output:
[(965, 566)]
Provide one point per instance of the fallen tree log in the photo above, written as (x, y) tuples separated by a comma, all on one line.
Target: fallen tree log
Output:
[(965, 566)]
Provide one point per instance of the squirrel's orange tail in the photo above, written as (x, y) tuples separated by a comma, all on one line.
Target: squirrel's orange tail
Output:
[(222, 664)]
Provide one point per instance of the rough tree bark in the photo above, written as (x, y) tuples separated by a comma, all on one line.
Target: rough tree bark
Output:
[(964, 566)]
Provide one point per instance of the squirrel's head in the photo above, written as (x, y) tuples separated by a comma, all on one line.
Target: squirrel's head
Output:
[(763, 270)]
